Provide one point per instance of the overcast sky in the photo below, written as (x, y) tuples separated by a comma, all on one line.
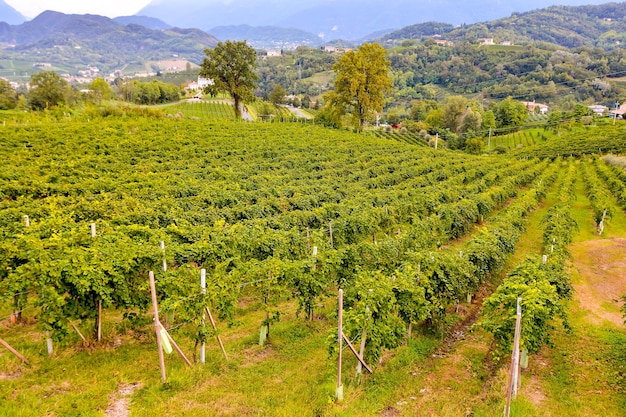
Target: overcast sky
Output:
[(110, 8)]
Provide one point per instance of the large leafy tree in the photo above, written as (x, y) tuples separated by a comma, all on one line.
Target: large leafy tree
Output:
[(47, 89), (8, 96), (231, 67), (362, 81), (510, 112)]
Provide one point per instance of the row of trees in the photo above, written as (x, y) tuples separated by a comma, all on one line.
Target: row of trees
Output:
[(47, 89)]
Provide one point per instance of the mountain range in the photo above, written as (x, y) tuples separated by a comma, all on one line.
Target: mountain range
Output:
[(337, 19), (71, 42), (571, 27), (9, 15)]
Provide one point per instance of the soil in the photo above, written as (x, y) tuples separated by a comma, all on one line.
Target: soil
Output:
[(121, 401), (601, 265)]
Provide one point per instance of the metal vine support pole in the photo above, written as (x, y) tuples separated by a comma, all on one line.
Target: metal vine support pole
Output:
[(157, 326), (516, 343), (339, 390), (203, 287), (99, 303), (512, 388), (162, 246)]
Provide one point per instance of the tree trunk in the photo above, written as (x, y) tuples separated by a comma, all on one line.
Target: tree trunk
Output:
[(237, 104)]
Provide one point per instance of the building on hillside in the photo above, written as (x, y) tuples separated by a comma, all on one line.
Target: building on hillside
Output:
[(532, 107), (486, 41), (620, 111), (204, 82), (274, 52), (442, 42), (507, 43), (331, 49), (599, 110)]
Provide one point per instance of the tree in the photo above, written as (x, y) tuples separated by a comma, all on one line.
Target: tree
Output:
[(470, 121), (510, 113), (362, 81), (231, 67), (453, 110), (100, 90), (47, 89), (277, 96), (8, 96)]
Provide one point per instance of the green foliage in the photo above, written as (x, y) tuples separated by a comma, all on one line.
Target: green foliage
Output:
[(230, 65), (8, 96), (151, 92), (100, 90), (361, 83), (277, 95), (578, 142), (47, 90), (510, 113), (541, 304)]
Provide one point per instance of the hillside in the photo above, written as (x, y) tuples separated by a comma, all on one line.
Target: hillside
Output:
[(145, 21), (71, 42), (602, 26)]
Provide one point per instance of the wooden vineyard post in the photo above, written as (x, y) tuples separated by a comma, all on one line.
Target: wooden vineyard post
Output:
[(514, 372), (26, 220), (13, 351), (544, 259), (339, 390), (203, 287), (359, 365), (157, 326), (219, 339)]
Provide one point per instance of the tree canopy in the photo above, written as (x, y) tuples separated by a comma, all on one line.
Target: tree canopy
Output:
[(362, 81), (8, 96), (48, 89), (230, 65)]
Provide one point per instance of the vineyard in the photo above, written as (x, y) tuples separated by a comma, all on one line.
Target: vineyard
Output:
[(280, 216)]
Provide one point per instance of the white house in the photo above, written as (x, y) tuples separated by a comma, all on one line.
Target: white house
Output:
[(274, 52), (204, 82), (599, 110)]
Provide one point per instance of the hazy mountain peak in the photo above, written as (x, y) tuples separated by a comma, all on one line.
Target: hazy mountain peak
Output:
[(9, 15)]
